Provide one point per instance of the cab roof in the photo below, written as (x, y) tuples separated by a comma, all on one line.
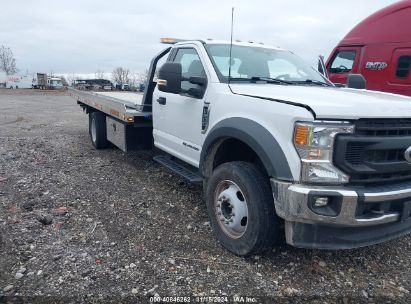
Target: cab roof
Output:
[(175, 41), (389, 25)]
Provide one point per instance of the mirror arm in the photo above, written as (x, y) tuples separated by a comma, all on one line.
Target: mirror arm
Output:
[(196, 93), (201, 81)]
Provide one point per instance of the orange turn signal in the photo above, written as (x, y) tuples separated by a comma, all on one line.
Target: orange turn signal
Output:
[(301, 135)]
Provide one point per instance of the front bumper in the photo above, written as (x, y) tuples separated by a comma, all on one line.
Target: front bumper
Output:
[(351, 227)]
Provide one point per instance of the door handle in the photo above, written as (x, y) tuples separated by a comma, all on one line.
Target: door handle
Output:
[(162, 100)]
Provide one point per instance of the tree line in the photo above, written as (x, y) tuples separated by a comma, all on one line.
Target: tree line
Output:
[(119, 75)]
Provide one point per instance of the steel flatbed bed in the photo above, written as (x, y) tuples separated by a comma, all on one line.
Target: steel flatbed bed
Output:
[(125, 106)]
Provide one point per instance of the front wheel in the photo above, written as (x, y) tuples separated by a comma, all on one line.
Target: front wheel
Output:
[(241, 208)]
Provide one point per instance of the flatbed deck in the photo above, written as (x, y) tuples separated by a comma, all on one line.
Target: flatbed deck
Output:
[(121, 105)]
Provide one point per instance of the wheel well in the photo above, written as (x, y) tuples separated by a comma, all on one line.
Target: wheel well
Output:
[(228, 150)]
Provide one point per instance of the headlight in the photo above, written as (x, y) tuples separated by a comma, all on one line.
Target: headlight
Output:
[(314, 142)]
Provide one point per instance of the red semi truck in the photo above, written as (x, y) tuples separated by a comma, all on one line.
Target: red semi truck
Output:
[(379, 48)]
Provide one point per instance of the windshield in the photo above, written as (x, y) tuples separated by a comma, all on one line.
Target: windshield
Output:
[(253, 63), (56, 82)]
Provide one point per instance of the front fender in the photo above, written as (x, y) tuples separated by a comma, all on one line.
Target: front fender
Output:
[(257, 138)]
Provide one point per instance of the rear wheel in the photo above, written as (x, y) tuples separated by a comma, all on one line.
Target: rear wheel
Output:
[(241, 208), (97, 130)]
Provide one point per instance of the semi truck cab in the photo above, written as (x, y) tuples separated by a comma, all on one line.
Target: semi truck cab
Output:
[(379, 48), (275, 145)]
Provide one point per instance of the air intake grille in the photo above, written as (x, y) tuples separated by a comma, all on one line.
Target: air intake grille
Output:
[(375, 153), (383, 127)]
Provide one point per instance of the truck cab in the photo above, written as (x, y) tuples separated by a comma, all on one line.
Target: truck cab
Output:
[(54, 83), (379, 48), (277, 148)]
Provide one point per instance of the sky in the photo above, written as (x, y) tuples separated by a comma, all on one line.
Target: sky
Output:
[(83, 37)]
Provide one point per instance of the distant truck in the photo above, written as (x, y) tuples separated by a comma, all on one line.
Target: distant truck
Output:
[(42, 81), (123, 87), (379, 48), (93, 84), (19, 82)]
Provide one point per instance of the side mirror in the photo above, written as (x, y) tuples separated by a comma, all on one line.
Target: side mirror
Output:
[(170, 77), (321, 66), (356, 81)]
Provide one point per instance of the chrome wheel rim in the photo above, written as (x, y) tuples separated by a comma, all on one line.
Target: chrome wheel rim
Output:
[(93, 130), (231, 209)]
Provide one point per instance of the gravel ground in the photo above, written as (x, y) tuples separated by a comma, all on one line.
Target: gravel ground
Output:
[(81, 225)]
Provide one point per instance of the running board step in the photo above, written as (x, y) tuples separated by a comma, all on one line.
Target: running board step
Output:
[(178, 169)]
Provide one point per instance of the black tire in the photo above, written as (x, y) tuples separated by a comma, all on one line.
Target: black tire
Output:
[(262, 223), (97, 121)]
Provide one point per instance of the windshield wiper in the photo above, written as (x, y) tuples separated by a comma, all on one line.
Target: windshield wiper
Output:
[(313, 82), (265, 79), (271, 80)]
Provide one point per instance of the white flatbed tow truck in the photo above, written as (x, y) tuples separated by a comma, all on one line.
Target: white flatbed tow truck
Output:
[(276, 146)]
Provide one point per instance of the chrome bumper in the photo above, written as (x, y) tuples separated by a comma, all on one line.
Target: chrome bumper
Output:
[(291, 203)]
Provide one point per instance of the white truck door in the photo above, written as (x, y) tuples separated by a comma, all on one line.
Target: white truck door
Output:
[(178, 117)]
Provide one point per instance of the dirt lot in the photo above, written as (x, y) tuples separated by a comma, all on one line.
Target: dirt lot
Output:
[(80, 225)]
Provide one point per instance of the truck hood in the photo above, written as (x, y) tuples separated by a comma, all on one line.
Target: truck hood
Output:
[(331, 102)]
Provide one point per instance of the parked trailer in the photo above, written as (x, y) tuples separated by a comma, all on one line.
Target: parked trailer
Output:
[(272, 147), (40, 81), (19, 82)]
